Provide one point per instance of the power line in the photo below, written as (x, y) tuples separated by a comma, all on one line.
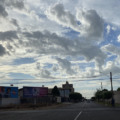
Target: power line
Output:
[(52, 81), (53, 78)]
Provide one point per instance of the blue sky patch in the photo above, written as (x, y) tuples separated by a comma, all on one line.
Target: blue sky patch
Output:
[(71, 34), (23, 61), (47, 65), (111, 37), (83, 66), (20, 76), (111, 58)]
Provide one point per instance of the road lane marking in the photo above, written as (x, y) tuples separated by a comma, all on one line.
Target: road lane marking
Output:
[(78, 115)]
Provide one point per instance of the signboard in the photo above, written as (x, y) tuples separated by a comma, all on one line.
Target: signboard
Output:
[(34, 91), (8, 92), (43, 91)]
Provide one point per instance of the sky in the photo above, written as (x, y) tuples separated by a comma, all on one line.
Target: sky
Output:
[(49, 42)]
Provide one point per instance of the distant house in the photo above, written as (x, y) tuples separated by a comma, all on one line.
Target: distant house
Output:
[(117, 96), (66, 90), (68, 86)]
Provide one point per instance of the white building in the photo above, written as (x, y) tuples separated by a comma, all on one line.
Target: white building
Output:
[(117, 96)]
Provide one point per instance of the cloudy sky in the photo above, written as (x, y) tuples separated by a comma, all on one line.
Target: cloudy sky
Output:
[(51, 41)]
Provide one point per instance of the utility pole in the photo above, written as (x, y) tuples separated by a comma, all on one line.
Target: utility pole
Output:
[(101, 86), (112, 102), (111, 82)]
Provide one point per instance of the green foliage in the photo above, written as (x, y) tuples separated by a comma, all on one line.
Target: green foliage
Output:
[(99, 94), (55, 91), (107, 95), (75, 96), (93, 98), (105, 90), (103, 94), (118, 89)]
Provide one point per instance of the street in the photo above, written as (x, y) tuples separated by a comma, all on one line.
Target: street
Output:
[(78, 111)]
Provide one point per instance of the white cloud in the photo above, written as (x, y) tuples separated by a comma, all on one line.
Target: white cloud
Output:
[(49, 44), (45, 74), (118, 38), (114, 28), (39, 30), (3, 12), (108, 29), (38, 65), (14, 4), (106, 9), (19, 4), (55, 68), (62, 16), (111, 49), (90, 26), (111, 67), (65, 65), (8, 35), (52, 44), (2, 50)]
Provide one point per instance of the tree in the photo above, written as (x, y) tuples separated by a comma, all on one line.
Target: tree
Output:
[(99, 94), (104, 90), (107, 94), (55, 91), (75, 96), (118, 89), (104, 94), (92, 98)]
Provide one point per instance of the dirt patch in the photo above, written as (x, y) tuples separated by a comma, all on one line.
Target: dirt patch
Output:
[(33, 107)]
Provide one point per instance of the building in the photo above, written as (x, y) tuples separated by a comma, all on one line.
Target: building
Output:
[(117, 97), (65, 91), (68, 86)]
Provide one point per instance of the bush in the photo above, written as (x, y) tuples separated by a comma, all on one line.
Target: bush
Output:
[(55, 91), (75, 96), (103, 94)]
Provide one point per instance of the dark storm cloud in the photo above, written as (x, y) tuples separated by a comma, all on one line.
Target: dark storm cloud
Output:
[(66, 65), (60, 15), (8, 35), (38, 66), (48, 43), (3, 12), (91, 24), (45, 74), (2, 50), (4, 4), (19, 4), (14, 22)]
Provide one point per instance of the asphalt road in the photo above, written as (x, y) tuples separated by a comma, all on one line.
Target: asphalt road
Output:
[(79, 111)]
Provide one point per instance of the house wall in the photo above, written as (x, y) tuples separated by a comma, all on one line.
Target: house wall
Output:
[(117, 96)]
